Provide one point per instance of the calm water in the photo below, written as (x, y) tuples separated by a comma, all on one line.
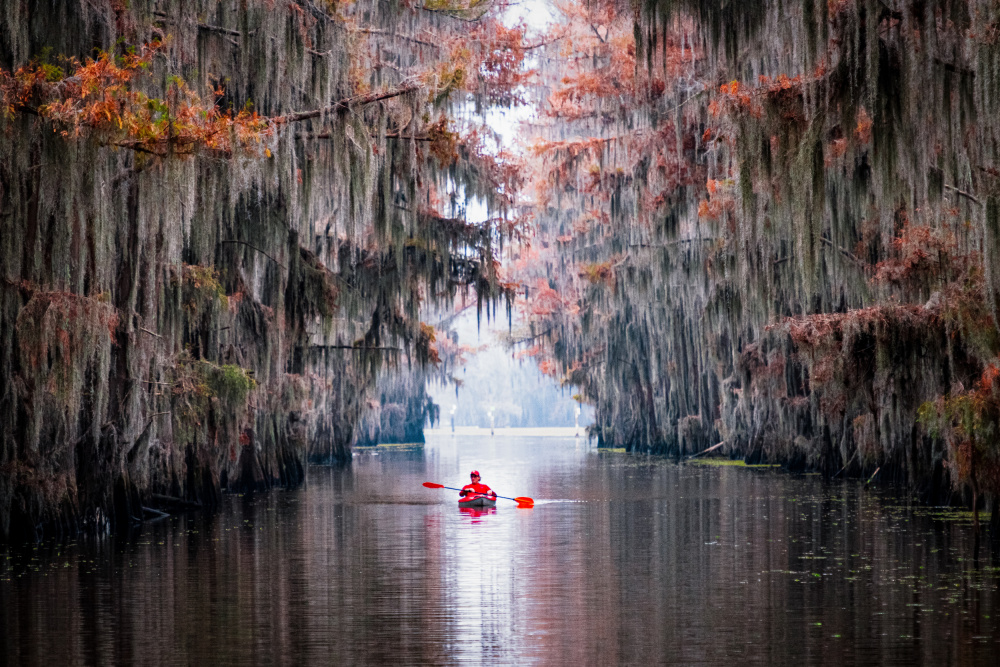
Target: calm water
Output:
[(624, 560)]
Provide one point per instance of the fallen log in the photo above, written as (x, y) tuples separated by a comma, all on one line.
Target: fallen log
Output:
[(171, 501), (694, 456), (149, 512)]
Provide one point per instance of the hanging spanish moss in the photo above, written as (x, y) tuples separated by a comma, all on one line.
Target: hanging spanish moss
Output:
[(217, 222), (773, 228)]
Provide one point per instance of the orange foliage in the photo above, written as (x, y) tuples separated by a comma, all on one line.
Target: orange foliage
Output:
[(99, 97), (501, 68), (443, 142), (602, 272), (427, 351), (863, 131), (968, 421), (546, 300), (921, 254), (488, 60), (548, 367), (609, 69), (835, 7), (532, 351), (720, 201), (814, 331), (782, 91), (61, 326)]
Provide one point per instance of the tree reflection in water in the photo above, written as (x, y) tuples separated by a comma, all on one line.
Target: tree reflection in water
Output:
[(652, 562)]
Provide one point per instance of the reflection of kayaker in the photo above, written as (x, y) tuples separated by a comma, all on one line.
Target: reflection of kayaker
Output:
[(476, 494), (475, 513)]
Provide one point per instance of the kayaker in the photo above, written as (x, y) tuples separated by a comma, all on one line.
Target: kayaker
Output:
[(475, 486)]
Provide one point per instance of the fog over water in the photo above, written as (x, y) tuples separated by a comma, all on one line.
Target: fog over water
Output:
[(504, 380)]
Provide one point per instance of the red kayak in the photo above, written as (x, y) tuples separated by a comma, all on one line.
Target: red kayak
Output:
[(478, 500)]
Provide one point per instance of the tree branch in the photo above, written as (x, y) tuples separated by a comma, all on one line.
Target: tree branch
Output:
[(963, 193), (521, 341), (451, 13), (219, 29), (347, 103), (253, 247), (157, 514), (171, 500), (408, 137), (669, 244), (376, 31), (327, 135), (355, 347), (532, 47), (162, 16), (846, 253)]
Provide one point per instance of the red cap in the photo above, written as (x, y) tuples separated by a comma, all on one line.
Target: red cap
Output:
[(475, 472)]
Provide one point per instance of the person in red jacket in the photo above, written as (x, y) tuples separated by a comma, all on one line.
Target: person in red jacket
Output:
[(475, 486)]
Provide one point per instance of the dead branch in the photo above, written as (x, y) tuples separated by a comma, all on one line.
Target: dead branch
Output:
[(157, 514), (396, 35), (327, 135), (162, 16), (669, 244), (538, 45), (963, 193), (174, 501), (521, 341), (846, 253), (355, 347), (451, 13), (253, 247), (345, 104), (706, 451)]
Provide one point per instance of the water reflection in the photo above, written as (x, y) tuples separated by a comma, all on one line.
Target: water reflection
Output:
[(623, 560), (475, 514)]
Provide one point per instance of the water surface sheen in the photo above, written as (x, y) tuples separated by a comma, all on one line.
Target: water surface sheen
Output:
[(624, 560)]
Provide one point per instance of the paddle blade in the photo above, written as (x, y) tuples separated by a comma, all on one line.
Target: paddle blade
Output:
[(432, 485), (524, 501)]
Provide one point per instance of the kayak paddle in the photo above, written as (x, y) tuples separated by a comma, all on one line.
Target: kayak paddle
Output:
[(522, 501)]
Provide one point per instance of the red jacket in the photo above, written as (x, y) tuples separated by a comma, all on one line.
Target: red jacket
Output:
[(475, 488)]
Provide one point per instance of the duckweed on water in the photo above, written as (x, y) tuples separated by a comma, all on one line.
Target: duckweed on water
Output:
[(734, 463), (946, 514)]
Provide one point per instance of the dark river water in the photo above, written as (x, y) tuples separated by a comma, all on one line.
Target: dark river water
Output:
[(623, 560)]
